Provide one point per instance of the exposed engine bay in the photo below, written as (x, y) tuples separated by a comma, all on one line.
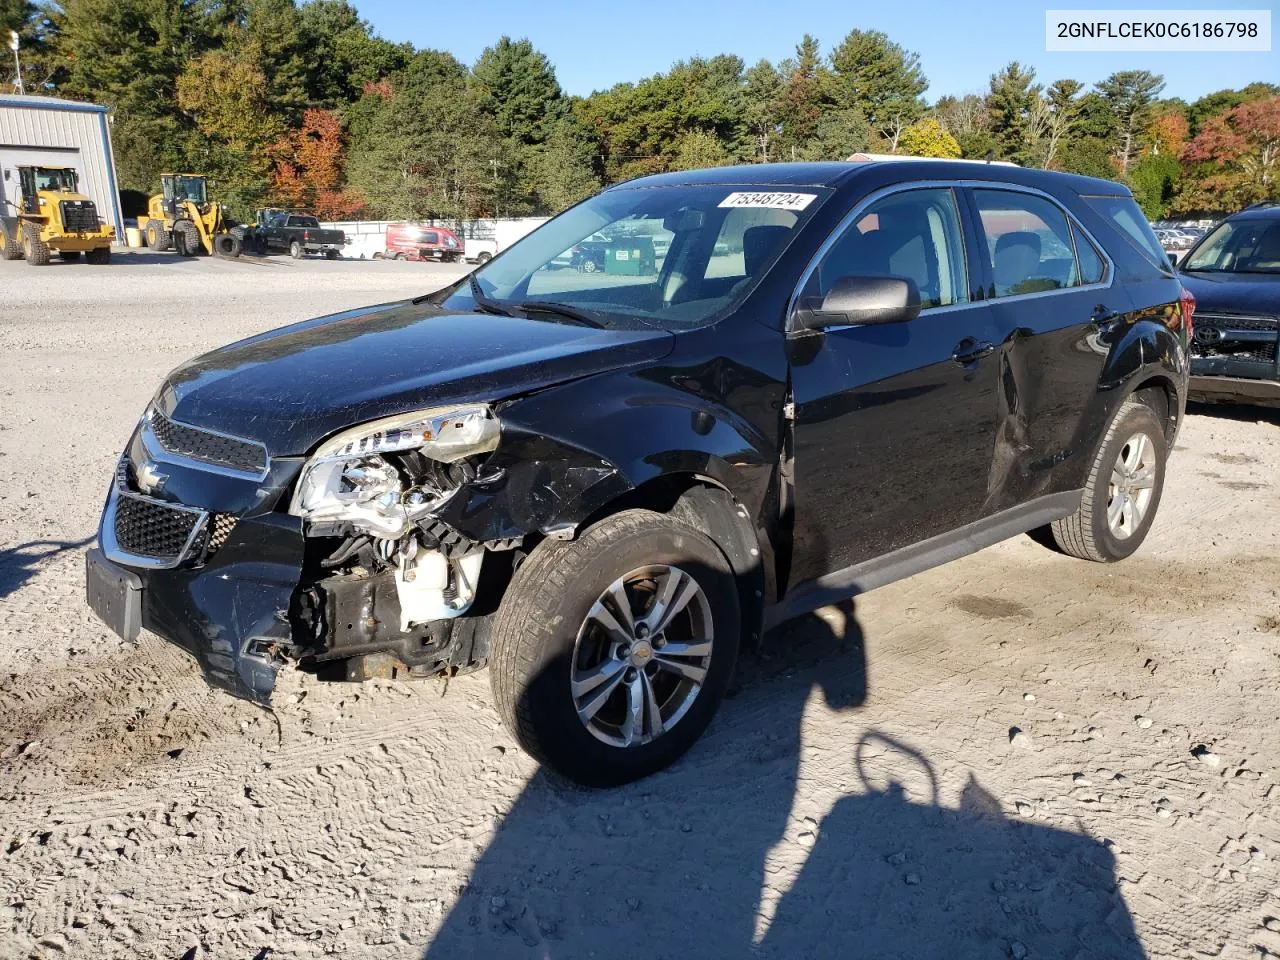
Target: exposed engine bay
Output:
[(389, 574)]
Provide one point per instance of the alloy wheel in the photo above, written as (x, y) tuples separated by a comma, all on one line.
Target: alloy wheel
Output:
[(641, 655), (1129, 493)]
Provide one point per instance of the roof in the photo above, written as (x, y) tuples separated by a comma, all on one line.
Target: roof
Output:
[(49, 103), (899, 156), (833, 174)]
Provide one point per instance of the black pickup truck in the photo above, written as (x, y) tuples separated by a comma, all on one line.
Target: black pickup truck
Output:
[(278, 231)]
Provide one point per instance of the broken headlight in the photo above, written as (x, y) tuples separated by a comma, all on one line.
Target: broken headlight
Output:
[(382, 476)]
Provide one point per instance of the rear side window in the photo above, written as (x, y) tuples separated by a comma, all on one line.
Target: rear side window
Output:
[(1092, 267), (1029, 243), (1125, 214)]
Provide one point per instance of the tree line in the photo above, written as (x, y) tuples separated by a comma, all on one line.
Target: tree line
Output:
[(304, 105)]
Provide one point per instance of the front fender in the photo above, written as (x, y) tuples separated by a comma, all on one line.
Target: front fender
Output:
[(566, 453)]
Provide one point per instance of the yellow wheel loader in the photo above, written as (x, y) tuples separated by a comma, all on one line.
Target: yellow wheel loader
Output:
[(52, 217), (183, 217)]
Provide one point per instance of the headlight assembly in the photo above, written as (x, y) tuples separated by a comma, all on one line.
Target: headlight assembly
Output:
[(381, 476)]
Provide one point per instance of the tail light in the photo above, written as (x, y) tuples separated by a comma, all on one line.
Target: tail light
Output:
[(306, 234), (1187, 305)]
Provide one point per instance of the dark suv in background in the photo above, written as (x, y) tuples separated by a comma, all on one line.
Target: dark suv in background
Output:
[(603, 485), (1234, 273)]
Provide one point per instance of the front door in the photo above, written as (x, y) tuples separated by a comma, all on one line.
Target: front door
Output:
[(895, 423)]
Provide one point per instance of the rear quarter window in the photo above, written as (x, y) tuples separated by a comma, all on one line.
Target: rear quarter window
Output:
[(1125, 215)]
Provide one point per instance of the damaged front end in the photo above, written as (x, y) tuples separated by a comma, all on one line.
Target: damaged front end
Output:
[(385, 553)]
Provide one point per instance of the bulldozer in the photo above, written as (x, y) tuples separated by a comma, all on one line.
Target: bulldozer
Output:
[(52, 217), (183, 217)]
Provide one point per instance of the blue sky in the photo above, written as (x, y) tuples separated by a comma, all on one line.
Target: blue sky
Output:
[(597, 43)]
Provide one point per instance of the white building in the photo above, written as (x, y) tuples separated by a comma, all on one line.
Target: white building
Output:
[(48, 132)]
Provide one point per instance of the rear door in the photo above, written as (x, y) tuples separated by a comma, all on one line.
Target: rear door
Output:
[(1055, 307), (894, 423)]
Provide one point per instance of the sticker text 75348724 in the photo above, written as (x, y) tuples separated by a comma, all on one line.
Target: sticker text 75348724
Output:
[(769, 201)]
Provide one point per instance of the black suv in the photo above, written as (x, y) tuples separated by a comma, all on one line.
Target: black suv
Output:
[(1234, 273), (602, 485)]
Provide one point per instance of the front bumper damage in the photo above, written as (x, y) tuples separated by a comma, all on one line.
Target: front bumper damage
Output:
[(1236, 358), (241, 584)]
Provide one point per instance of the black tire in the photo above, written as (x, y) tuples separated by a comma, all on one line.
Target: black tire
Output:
[(296, 251), (227, 245), (533, 642), (36, 250), (1087, 534), (399, 256), (186, 239), (589, 266), (158, 238), (10, 248), (99, 257), (483, 258), (331, 254), (70, 256)]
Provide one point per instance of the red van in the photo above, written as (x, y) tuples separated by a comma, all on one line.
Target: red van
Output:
[(420, 241)]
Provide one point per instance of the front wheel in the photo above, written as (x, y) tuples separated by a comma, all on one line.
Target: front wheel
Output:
[(611, 653), (1123, 490), (99, 257)]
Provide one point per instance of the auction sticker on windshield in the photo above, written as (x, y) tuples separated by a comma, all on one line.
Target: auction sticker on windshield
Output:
[(770, 201)]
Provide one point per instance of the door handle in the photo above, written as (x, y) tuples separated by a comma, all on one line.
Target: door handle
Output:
[(969, 351)]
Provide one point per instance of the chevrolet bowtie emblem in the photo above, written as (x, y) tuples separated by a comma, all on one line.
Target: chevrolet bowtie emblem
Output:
[(148, 476)]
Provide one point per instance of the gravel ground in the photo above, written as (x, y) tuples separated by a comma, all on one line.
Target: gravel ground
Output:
[(1016, 755)]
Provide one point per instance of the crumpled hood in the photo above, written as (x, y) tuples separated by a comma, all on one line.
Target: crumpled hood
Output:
[(1248, 293), (290, 388)]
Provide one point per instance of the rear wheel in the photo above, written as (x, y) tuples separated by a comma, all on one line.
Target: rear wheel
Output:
[(99, 257), (589, 266), (484, 257), (10, 248), (158, 238), (295, 250), (70, 256), (35, 249), (611, 653), (1123, 491)]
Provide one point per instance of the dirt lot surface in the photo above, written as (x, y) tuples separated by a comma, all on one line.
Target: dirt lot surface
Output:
[(1017, 755)]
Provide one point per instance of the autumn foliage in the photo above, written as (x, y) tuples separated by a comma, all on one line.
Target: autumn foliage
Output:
[(1237, 154), (309, 165)]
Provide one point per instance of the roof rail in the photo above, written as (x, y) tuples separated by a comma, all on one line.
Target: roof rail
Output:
[(1263, 204)]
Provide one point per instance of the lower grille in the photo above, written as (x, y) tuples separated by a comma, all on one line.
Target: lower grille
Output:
[(79, 216), (153, 529)]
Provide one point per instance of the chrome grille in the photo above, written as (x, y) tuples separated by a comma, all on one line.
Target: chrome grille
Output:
[(1240, 337), (208, 447), (154, 529)]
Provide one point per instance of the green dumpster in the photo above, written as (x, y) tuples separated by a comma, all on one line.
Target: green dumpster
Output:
[(630, 257)]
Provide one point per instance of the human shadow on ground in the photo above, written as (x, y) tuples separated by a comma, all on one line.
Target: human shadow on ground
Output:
[(674, 866), (18, 564)]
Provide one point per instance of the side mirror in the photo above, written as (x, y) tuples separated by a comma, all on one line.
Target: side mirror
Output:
[(863, 300), (1173, 259)]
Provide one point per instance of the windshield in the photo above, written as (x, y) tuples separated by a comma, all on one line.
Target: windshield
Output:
[(1239, 246), (189, 188), (670, 257), (55, 179)]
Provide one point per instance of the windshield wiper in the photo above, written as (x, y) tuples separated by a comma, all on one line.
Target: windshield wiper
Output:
[(560, 310), (483, 303)]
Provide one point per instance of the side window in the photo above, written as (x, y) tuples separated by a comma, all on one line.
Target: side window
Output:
[(914, 235), (1092, 267), (430, 236), (1028, 241)]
